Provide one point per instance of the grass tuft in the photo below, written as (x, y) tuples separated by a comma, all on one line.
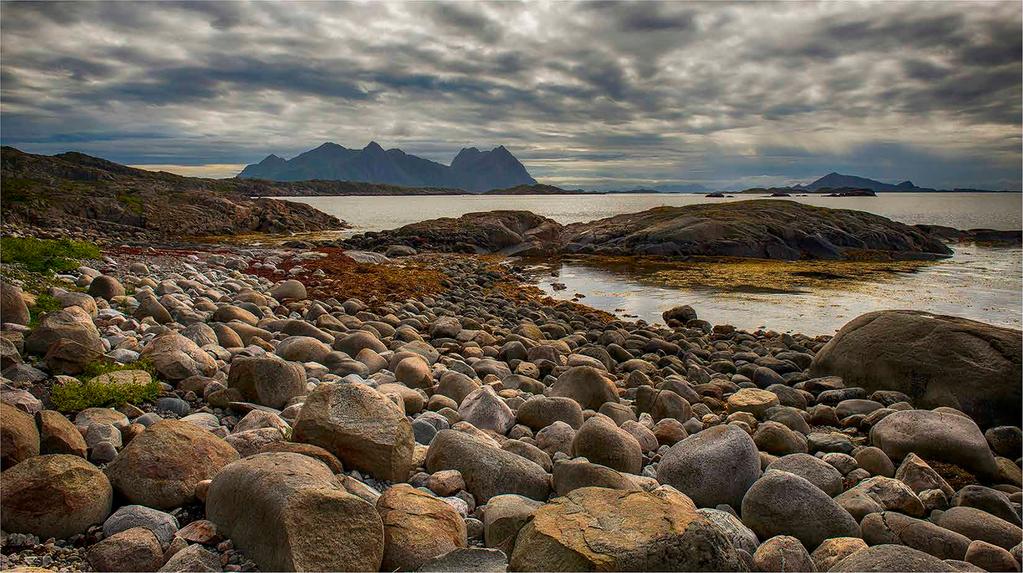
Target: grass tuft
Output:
[(82, 393), (46, 255)]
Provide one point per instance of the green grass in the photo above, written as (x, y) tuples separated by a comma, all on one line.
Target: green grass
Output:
[(83, 393), (44, 303), (46, 255)]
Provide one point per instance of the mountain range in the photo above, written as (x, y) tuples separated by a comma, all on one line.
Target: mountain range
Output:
[(471, 170)]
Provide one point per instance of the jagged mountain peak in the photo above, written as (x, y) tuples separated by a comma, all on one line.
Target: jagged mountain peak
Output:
[(471, 169)]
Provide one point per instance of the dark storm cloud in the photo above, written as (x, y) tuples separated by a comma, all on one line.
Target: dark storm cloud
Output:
[(600, 94)]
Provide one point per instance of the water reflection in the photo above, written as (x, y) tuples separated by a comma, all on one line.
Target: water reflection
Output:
[(810, 297)]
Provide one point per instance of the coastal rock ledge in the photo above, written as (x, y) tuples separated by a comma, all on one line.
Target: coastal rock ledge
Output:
[(763, 229)]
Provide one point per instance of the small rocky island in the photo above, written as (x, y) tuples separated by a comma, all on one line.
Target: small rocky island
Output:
[(175, 405)]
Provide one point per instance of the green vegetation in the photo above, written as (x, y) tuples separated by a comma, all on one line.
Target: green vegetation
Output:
[(19, 190), (85, 392), (46, 255), (44, 303), (131, 201)]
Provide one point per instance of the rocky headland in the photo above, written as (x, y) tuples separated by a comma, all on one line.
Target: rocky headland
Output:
[(207, 407)]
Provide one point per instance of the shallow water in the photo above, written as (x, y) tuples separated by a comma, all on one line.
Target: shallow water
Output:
[(978, 282), (959, 210), (981, 283)]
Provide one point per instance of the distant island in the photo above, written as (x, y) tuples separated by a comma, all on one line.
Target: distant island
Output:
[(471, 170)]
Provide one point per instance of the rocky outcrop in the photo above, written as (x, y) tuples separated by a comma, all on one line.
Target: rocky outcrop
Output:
[(756, 229), (506, 232), (936, 360)]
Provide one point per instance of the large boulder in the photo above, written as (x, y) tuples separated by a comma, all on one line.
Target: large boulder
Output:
[(57, 435), (417, 528), (936, 360), (362, 427), (541, 411), (176, 357), (935, 436), (161, 466), (598, 529), (891, 527), (54, 496), (289, 512), (715, 466), (19, 438), (71, 324), (267, 381), (586, 385), (812, 469), (781, 503), (602, 442), (135, 549), (487, 471), (504, 517)]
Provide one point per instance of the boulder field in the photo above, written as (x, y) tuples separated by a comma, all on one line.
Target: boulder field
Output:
[(483, 429)]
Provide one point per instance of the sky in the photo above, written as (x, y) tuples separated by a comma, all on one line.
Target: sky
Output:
[(589, 94)]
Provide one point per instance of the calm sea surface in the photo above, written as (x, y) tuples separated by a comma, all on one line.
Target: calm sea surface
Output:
[(978, 282)]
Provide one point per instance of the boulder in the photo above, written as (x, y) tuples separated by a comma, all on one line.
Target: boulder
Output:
[(105, 286), (713, 467), (936, 436), (135, 549), (602, 442), (936, 360), (475, 559), (978, 524), (359, 425), (504, 517), (12, 305), (352, 344), (894, 528), (752, 400), (487, 471), (302, 349), (163, 525), (574, 474), (176, 357), (886, 493), (70, 324), (812, 469), (598, 529), (19, 438), (891, 558), (990, 557), (417, 528), (161, 466), (267, 381), (586, 385), (192, 558), (782, 553), (833, 550), (57, 435), (541, 411), (484, 409), (290, 289), (781, 503), (288, 512), (54, 496)]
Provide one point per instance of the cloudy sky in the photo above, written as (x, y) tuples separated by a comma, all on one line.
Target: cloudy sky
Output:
[(586, 94)]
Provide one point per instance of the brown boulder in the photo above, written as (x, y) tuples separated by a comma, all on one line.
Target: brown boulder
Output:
[(54, 496), (417, 528), (19, 438)]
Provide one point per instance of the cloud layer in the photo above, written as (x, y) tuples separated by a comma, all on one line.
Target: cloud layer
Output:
[(587, 94)]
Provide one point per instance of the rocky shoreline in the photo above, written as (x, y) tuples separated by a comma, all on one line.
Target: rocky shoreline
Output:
[(320, 409)]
